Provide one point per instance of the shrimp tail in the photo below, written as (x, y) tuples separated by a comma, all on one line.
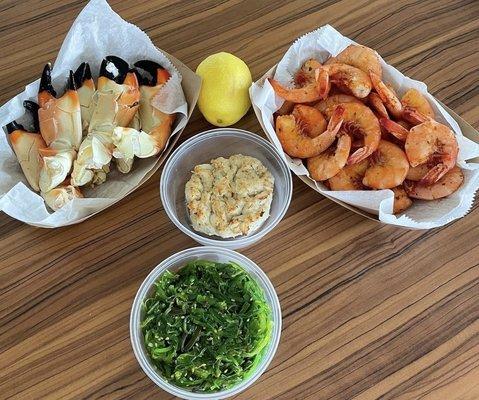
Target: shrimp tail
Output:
[(323, 82), (336, 120), (434, 174), (359, 155), (413, 116), (394, 128)]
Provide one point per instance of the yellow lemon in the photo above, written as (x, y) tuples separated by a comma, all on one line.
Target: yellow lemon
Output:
[(224, 97)]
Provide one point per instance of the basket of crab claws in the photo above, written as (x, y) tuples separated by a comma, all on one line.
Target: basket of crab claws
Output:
[(358, 131), (96, 125)]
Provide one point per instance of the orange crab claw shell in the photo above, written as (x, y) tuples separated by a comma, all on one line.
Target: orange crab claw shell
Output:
[(162, 76)]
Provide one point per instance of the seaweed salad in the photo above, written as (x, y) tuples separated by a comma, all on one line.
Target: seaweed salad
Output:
[(206, 326)]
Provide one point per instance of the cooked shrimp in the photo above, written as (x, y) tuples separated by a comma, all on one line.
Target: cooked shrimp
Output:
[(329, 162), (312, 122), (435, 143), (311, 91), (387, 95), (360, 122), (401, 200), (394, 128), (445, 186), (350, 79), (327, 105), (388, 167), (297, 143), (350, 177), (358, 56), (377, 104), (306, 74), (414, 99)]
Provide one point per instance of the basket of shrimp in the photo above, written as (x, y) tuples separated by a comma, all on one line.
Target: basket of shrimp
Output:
[(96, 125), (358, 131)]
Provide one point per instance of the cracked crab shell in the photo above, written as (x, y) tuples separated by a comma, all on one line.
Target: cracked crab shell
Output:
[(26, 146)]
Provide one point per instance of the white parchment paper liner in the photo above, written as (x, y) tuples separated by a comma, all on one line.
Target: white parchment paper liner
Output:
[(322, 43), (97, 32)]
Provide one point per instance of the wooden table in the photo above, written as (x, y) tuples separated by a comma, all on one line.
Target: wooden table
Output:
[(369, 311)]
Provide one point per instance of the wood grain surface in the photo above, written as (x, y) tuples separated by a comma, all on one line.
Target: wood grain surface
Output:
[(369, 311)]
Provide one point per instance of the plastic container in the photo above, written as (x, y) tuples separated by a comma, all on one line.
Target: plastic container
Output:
[(175, 262), (201, 149)]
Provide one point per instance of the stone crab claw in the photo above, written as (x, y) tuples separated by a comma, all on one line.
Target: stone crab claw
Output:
[(56, 166), (86, 89), (27, 145), (152, 121), (58, 197), (93, 159), (116, 99), (59, 118)]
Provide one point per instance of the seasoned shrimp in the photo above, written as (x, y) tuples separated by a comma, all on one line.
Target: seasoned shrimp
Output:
[(445, 186), (307, 73), (350, 79), (414, 99), (377, 104), (434, 143), (312, 122), (329, 162), (327, 105), (388, 167), (358, 56), (360, 122), (387, 95), (314, 90), (350, 177), (297, 143), (401, 200)]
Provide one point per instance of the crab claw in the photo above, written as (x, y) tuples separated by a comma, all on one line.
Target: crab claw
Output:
[(82, 74), (59, 119), (130, 142), (33, 108), (85, 88), (158, 74), (154, 122), (26, 146), (56, 166), (46, 91), (114, 68), (116, 101), (94, 155), (61, 195)]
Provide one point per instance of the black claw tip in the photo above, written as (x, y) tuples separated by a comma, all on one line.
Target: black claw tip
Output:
[(114, 68), (82, 74), (46, 81), (141, 79), (14, 126), (151, 67), (71, 81), (32, 108)]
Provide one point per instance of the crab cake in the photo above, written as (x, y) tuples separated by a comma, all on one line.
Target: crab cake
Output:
[(229, 197)]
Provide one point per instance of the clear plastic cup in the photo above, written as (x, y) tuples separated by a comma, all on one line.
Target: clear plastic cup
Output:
[(175, 262), (204, 147)]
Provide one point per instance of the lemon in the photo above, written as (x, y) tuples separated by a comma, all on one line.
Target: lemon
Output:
[(224, 97)]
